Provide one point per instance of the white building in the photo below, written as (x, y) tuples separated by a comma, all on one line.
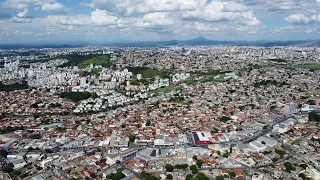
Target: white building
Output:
[(314, 173)]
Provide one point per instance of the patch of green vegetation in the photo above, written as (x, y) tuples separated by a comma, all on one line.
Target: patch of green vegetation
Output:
[(94, 72), (60, 128), (103, 60), (310, 66), (148, 176), (311, 102), (141, 81), (232, 174), (208, 73), (266, 152), (314, 116), (199, 163), (169, 167), (278, 60), (165, 89), (225, 119), (116, 176), (193, 169), (148, 72), (12, 87), (304, 166), (220, 178), (148, 123), (76, 96), (304, 177), (181, 166), (189, 81), (201, 176), (280, 152), (296, 142), (264, 83), (214, 130), (226, 155), (189, 177), (289, 166), (10, 129), (75, 59), (177, 99)]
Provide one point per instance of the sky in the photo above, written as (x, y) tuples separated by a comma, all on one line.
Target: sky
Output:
[(112, 21)]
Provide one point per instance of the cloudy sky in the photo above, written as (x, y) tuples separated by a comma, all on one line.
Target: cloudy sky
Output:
[(106, 21)]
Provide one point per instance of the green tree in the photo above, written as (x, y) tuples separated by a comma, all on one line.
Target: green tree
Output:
[(103, 160), (314, 116), (148, 123), (232, 174), (169, 176), (226, 154), (195, 157), (311, 102), (132, 137), (304, 166), (169, 167), (220, 178), (280, 152), (199, 163), (75, 96), (189, 176), (201, 176), (8, 168), (289, 166), (3, 153), (143, 174), (194, 169)]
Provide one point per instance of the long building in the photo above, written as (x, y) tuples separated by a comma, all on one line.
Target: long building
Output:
[(201, 138)]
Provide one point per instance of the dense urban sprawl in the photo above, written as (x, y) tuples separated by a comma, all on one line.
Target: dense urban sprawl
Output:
[(200, 112)]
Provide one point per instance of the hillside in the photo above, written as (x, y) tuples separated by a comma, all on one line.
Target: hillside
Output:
[(103, 60)]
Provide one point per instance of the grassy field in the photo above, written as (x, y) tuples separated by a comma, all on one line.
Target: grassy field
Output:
[(310, 66), (208, 73), (148, 72), (95, 72), (103, 60), (74, 59)]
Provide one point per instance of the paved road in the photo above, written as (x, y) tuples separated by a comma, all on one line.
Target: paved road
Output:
[(205, 168), (266, 130)]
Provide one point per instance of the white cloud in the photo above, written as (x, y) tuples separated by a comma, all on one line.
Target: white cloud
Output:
[(23, 14), (155, 19), (298, 19), (222, 11), (18, 32), (132, 7), (204, 27), (20, 20), (287, 28), (103, 17), (316, 17), (311, 30), (53, 7), (248, 18), (281, 5), (68, 20), (91, 5), (22, 4), (233, 7), (21, 17)]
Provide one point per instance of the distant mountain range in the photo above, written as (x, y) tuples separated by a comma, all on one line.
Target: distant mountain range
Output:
[(200, 41)]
